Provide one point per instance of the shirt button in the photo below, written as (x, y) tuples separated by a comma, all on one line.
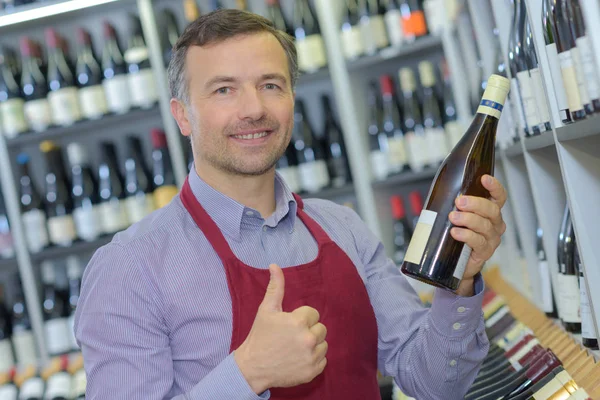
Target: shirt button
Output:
[(456, 326), (461, 309), (453, 363), (265, 228), (249, 213)]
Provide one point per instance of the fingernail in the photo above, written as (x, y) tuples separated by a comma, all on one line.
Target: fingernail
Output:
[(462, 201), (455, 216), (457, 232), (488, 180)]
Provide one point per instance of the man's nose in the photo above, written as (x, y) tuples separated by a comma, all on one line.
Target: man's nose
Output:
[(251, 105)]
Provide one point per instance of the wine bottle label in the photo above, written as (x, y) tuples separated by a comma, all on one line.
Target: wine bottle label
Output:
[(555, 74), (62, 230), (87, 222), (136, 55), (524, 350), (57, 336), (368, 35), (549, 389), (139, 206), (454, 132), (379, 165), (7, 360), (32, 388), (515, 91), (580, 394), (589, 67), (340, 174), (8, 392), (142, 86), (546, 285), (291, 178), (116, 90), (492, 307), (164, 194), (313, 176), (38, 114), (540, 95), (528, 98), (352, 42), (397, 153), (311, 53), (497, 316), (59, 386), (580, 76), (36, 234), (393, 23), (587, 321), (72, 339), (24, 348), (569, 79), (436, 143), (379, 32), (414, 24), (64, 104), (417, 244), (79, 384), (113, 214), (12, 115), (461, 265), (435, 14), (418, 155), (93, 102), (569, 297)]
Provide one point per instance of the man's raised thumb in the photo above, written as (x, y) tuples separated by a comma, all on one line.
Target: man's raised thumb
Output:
[(274, 296)]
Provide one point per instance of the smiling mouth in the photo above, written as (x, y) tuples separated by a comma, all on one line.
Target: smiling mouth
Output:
[(251, 136)]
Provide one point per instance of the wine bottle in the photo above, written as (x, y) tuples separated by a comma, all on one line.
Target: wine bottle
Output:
[(416, 207), (413, 20), (74, 273), (536, 79), (191, 10), (114, 71), (378, 140), (142, 86), (397, 157), (452, 126), (352, 40), (58, 385), (113, 210), (337, 158), (568, 277), (79, 385), (56, 325), (172, 34), (34, 88), (372, 27), (312, 166), (589, 337), (414, 132), (138, 182), (393, 23), (402, 229), (59, 206), (162, 170), (86, 212), (545, 281), (63, 94), (89, 78), (515, 90), (6, 349), (437, 141), (433, 256), (7, 249), (275, 14), (22, 335), (33, 212), (554, 62), (12, 114), (309, 42), (287, 167)]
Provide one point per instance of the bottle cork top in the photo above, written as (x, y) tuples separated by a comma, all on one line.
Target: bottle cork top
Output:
[(427, 74), (407, 79), (499, 82)]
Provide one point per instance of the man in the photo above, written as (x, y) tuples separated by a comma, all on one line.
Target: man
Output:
[(240, 290)]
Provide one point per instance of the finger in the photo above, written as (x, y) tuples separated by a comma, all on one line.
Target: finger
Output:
[(308, 316), (480, 206), (320, 351), (320, 331), (321, 365), (474, 222), (497, 191), (480, 246), (273, 299)]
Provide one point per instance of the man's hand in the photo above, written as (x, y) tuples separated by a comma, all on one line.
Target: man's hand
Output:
[(484, 225), (282, 349)]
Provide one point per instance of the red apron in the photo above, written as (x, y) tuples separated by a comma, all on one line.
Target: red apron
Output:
[(330, 284)]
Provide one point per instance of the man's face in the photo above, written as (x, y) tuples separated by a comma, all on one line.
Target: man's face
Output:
[(241, 104)]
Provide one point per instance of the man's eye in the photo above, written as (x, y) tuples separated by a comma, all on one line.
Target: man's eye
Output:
[(271, 86), (223, 90)]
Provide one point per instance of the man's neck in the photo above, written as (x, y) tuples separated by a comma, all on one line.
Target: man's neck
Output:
[(257, 192)]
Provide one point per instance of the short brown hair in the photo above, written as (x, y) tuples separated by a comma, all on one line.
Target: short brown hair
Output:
[(218, 26)]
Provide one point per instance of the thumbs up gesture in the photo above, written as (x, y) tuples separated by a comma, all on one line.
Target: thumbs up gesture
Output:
[(282, 349)]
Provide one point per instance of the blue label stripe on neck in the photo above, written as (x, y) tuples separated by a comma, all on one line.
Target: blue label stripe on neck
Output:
[(491, 104)]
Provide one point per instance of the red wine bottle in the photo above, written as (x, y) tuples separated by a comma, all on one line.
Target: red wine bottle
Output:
[(163, 177), (34, 88), (12, 114), (56, 324), (309, 42), (142, 85), (378, 140), (337, 158), (397, 156), (352, 41), (402, 229), (414, 132), (89, 79), (113, 210), (114, 71), (437, 142), (138, 182)]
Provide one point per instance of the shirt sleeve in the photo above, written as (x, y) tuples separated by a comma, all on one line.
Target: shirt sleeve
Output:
[(431, 353), (125, 343)]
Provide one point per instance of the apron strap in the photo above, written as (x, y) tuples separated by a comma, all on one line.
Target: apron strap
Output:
[(313, 227)]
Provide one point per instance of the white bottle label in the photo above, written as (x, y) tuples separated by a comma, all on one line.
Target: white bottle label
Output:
[(588, 330), (436, 143), (557, 81), (57, 336), (569, 297), (590, 70), (79, 384), (420, 237), (59, 386), (498, 315), (528, 98), (24, 348), (540, 95), (418, 155), (8, 392), (291, 178), (393, 22), (32, 388), (379, 33), (524, 350), (38, 114), (581, 81), (87, 222), (36, 234), (546, 286), (397, 153), (435, 14), (93, 102), (454, 132), (380, 165), (143, 88), (12, 115), (549, 389), (113, 215), (62, 230), (463, 260), (352, 42), (64, 104), (7, 360), (72, 339), (569, 79), (313, 175), (311, 53), (516, 93), (117, 94), (139, 206), (368, 35)]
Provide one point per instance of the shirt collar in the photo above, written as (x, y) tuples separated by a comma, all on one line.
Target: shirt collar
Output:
[(228, 214)]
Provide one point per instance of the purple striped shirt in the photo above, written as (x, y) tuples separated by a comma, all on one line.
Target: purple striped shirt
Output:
[(154, 319)]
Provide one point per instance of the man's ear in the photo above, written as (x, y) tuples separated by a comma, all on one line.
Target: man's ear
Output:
[(180, 113)]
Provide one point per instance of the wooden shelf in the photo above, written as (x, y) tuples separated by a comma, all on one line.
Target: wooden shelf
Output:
[(541, 141), (578, 130), (405, 178)]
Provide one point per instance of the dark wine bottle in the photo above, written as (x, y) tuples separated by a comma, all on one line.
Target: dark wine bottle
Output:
[(142, 85), (287, 167), (352, 40), (513, 61), (536, 79), (378, 140), (337, 158), (397, 157), (433, 256), (402, 229), (414, 132), (163, 177), (568, 277), (545, 280), (6, 349), (74, 273), (372, 26), (138, 182), (413, 19), (589, 338), (34, 87), (172, 34), (437, 141), (452, 126), (7, 249), (89, 78), (416, 207), (113, 210), (309, 42), (276, 16), (56, 324), (22, 336), (58, 385), (393, 23), (12, 114), (114, 70)]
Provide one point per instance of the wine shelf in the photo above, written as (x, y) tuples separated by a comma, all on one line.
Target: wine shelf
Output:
[(316, 76), (84, 127), (404, 178), (578, 130), (77, 248), (8, 264), (541, 141), (422, 45), (514, 150), (331, 193)]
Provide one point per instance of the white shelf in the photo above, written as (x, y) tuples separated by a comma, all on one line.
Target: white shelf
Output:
[(514, 150), (579, 130), (541, 141)]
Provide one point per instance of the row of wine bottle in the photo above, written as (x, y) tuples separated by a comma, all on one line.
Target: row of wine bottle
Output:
[(403, 228), (86, 204)]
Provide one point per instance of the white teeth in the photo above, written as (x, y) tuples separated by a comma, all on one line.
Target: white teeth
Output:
[(251, 136)]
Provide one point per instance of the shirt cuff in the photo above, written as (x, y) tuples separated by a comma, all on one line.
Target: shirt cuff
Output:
[(456, 316)]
